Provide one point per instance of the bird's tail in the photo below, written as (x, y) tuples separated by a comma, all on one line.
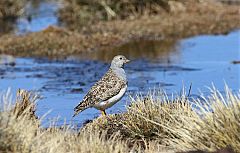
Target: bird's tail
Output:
[(79, 108)]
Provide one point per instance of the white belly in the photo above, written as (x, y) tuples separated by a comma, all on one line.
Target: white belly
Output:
[(110, 102)]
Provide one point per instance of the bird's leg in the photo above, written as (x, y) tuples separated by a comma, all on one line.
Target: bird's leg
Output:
[(103, 112)]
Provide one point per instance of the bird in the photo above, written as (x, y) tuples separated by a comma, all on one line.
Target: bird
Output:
[(108, 90)]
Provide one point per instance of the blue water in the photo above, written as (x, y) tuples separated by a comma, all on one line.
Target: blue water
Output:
[(213, 55), (38, 16), (200, 61)]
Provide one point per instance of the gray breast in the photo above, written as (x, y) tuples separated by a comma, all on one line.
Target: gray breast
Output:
[(120, 73)]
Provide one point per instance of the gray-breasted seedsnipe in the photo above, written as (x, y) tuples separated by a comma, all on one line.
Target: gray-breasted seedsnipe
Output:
[(108, 90)]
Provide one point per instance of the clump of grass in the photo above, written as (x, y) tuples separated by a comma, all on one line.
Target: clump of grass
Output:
[(153, 123), (147, 119), (179, 124), (19, 133), (17, 126), (25, 104), (87, 12), (216, 125), (80, 14), (55, 42)]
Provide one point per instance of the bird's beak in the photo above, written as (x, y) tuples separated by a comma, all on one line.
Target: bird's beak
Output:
[(127, 60)]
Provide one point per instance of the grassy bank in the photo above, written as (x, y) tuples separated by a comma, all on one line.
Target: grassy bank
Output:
[(80, 13), (151, 124), (173, 21)]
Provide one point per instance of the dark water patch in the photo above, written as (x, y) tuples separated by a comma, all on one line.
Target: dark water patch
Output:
[(159, 67), (76, 90), (231, 2), (235, 62), (138, 50)]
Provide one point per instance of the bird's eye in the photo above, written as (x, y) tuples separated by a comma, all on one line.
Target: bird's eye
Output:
[(120, 58)]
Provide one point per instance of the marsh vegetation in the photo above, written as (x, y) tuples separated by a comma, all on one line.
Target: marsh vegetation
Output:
[(93, 32), (154, 123), (91, 25)]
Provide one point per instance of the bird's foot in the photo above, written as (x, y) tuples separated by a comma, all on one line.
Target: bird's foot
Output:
[(103, 112)]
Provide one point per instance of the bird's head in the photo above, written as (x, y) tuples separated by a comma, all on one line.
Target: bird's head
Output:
[(119, 61)]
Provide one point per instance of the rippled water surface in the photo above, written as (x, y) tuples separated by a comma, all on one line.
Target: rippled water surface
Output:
[(200, 61)]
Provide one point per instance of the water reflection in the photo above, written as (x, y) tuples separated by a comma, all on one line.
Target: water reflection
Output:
[(7, 25), (63, 83), (37, 15), (150, 50)]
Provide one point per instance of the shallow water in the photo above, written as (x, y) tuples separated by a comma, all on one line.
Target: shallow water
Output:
[(200, 61), (38, 15)]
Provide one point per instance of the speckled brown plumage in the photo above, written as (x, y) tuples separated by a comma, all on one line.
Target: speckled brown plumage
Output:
[(109, 86)]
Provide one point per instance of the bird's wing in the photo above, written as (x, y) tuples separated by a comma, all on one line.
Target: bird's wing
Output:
[(109, 86)]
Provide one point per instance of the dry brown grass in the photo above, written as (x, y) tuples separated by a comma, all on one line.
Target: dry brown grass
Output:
[(151, 124), (198, 18), (17, 127), (139, 122), (25, 104), (78, 13), (54, 42), (216, 124), (21, 134), (179, 124)]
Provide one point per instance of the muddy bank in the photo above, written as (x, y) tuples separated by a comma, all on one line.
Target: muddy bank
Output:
[(195, 19)]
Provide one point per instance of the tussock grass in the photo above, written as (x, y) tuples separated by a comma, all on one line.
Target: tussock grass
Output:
[(11, 8), (54, 42), (179, 124), (17, 127), (25, 104), (216, 124), (154, 123), (80, 14), (147, 121), (20, 133), (86, 12)]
